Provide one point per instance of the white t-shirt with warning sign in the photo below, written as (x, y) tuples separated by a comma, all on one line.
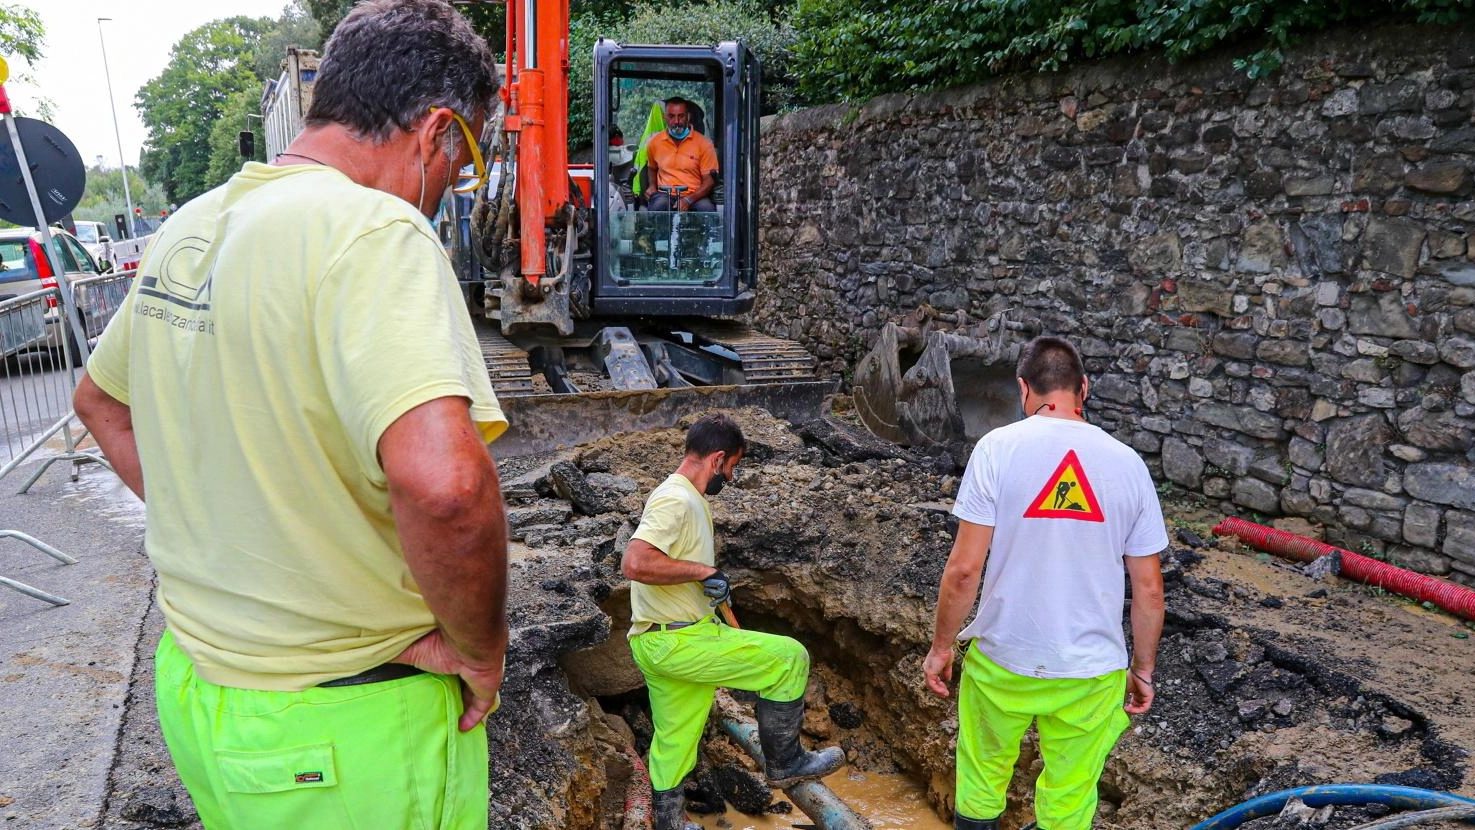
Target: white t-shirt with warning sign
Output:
[(1067, 502)]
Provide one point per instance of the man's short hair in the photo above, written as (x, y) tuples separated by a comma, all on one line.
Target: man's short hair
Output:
[(682, 102), (715, 433), (390, 61), (1051, 364)]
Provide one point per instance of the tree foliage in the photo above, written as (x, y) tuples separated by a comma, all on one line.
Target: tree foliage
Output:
[(196, 106), (855, 49), (104, 198), (22, 42), (22, 34)]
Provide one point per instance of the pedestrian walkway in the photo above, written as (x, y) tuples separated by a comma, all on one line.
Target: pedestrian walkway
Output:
[(64, 671)]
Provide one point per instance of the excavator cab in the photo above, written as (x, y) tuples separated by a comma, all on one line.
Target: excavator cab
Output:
[(650, 259)]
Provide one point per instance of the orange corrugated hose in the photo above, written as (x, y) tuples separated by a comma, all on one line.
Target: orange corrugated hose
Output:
[(1456, 599)]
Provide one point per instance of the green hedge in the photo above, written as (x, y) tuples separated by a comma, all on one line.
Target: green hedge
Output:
[(856, 49)]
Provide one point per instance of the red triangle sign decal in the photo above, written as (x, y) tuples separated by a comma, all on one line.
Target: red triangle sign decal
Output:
[(1067, 495)]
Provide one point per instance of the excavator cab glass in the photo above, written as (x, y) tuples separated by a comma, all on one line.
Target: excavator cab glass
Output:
[(652, 256)]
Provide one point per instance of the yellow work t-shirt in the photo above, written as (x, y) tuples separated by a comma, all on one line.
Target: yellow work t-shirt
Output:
[(278, 325), (681, 163), (677, 521)]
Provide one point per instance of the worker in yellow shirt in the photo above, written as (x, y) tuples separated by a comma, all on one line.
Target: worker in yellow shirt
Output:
[(295, 386), (681, 163), (685, 652)]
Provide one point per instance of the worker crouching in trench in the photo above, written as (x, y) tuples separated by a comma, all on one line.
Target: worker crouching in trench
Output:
[(682, 648)]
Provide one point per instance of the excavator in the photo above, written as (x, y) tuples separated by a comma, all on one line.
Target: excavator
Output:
[(595, 313)]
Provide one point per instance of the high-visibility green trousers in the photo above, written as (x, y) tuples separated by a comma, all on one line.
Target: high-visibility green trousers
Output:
[(683, 669), (1079, 721), (376, 755)]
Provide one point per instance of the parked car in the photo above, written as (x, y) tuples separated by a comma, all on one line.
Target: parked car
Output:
[(23, 270), (94, 237)]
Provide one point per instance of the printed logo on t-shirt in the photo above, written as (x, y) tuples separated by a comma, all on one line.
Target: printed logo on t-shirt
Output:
[(1067, 495)]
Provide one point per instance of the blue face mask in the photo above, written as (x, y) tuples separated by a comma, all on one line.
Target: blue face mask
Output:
[(678, 133)]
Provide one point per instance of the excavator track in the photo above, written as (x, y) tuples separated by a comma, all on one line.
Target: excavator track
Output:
[(506, 364), (765, 359), (778, 376)]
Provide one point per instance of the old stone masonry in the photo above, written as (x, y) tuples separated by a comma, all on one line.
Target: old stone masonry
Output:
[(1272, 280)]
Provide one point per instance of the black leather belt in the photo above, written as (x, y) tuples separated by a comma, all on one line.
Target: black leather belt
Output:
[(378, 674)]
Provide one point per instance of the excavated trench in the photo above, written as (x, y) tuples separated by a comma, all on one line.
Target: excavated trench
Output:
[(1268, 678)]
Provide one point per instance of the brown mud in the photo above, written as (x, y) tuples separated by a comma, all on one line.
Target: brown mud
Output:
[(1267, 677)]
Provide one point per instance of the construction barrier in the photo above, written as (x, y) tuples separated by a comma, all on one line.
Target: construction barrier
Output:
[(39, 367)]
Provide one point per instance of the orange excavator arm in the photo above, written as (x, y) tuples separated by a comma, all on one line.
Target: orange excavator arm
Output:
[(536, 99)]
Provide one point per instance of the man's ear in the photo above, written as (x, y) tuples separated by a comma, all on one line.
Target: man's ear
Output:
[(430, 135), (1085, 387)]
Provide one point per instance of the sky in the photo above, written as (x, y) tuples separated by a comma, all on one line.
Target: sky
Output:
[(139, 38)]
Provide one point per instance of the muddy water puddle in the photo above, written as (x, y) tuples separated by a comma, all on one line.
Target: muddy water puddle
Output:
[(889, 801)]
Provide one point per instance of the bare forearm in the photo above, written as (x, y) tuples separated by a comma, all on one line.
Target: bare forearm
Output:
[(111, 423), (954, 600), (649, 565), (1147, 629), (459, 561)]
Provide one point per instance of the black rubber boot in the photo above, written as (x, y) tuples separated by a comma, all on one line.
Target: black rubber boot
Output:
[(786, 763), (962, 822), (669, 807)]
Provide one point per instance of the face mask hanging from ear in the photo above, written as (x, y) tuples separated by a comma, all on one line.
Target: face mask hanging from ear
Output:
[(679, 133), (715, 485), (420, 203)]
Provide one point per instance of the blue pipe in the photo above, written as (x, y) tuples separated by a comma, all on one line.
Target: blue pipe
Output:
[(1398, 798)]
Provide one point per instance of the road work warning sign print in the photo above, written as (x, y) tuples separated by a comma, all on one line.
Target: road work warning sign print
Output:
[(1067, 495)]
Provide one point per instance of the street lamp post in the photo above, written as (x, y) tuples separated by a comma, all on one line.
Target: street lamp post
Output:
[(127, 194)]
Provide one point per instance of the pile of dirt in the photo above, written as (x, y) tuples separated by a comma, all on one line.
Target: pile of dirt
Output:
[(1267, 677)]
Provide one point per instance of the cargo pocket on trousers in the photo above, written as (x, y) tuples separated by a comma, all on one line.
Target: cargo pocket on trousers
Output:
[(277, 771)]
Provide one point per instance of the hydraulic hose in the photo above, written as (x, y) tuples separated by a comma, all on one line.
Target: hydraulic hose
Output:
[(1398, 798), (1456, 599)]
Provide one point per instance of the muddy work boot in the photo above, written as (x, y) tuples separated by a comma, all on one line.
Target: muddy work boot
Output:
[(962, 822), (669, 807), (785, 762)]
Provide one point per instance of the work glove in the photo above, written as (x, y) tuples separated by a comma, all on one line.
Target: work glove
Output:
[(716, 587)]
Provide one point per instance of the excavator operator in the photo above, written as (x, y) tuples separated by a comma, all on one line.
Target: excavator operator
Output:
[(681, 162)]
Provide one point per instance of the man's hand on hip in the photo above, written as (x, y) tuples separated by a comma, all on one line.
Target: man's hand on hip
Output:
[(479, 683), (938, 667), (1139, 692)]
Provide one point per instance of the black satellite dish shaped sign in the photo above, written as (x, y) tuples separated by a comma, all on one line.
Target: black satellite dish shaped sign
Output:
[(60, 175)]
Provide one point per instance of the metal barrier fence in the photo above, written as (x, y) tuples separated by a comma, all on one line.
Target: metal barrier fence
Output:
[(39, 367)]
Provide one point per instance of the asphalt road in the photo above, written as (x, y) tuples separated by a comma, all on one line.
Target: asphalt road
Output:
[(64, 671)]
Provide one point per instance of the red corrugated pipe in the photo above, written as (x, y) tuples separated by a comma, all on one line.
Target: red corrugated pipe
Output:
[(1456, 599), (637, 794)]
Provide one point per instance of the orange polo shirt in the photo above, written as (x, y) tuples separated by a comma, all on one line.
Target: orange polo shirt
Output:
[(686, 162)]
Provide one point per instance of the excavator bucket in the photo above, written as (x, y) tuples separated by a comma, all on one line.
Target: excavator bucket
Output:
[(925, 385)]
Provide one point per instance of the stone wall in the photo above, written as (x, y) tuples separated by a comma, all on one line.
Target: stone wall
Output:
[(1272, 281)]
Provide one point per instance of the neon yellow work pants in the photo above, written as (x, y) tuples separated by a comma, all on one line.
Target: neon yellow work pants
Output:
[(683, 669), (376, 755), (1079, 721)]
